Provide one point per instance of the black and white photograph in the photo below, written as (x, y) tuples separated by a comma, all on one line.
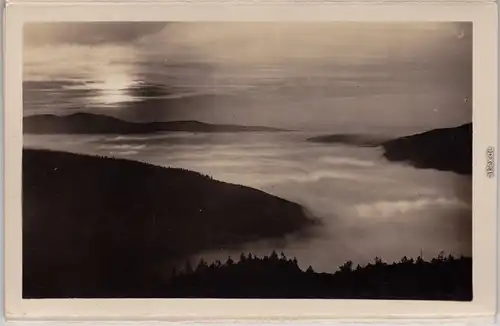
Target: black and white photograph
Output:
[(250, 160)]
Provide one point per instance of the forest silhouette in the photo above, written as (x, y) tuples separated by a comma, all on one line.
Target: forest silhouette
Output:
[(276, 276)]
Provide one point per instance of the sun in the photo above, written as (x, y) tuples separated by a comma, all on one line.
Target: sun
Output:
[(113, 88)]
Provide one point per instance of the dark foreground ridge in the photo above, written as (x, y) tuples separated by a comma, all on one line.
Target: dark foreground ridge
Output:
[(442, 278), (88, 123), (103, 227), (447, 149)]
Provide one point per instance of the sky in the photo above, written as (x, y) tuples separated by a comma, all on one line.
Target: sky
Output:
[(307, 76)]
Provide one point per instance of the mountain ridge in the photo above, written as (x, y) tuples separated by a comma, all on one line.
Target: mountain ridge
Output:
[(445, 149), (90, 123)]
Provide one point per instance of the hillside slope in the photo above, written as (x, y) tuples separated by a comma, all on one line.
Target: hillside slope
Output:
[(101, 227), (447, 149)]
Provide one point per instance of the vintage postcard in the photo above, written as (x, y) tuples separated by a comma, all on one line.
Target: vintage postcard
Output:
[(328, 163)]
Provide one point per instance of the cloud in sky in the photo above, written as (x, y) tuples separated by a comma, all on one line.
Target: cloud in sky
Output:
[(268, 42), (39, 34), (282, 74)]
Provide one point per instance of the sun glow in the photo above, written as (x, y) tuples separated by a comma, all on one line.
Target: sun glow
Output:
[(113, 88)]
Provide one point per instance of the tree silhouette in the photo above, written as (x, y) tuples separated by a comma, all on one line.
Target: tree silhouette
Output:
[(378, 261), (188, 268), (347, 267), (274, 256), (202, 265), (441, 256)]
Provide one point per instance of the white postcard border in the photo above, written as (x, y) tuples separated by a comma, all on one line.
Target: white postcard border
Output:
[(485, 121)]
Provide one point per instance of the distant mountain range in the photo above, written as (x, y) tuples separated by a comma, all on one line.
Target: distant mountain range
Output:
[(89, 123), (353, 139), (447, 149)]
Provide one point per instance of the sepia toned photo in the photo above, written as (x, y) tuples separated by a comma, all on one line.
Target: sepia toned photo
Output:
[(279, 160)]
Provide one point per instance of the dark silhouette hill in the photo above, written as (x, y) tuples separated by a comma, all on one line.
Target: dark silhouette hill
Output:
[(442, 278), (89, 123), (349, 139), (104, 227), (447, 149)]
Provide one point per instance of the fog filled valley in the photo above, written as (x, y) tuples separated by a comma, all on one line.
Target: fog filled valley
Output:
[(309, 196), (238, 159)]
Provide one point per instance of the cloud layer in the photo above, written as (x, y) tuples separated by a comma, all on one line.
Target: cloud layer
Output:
[(296, 76)]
